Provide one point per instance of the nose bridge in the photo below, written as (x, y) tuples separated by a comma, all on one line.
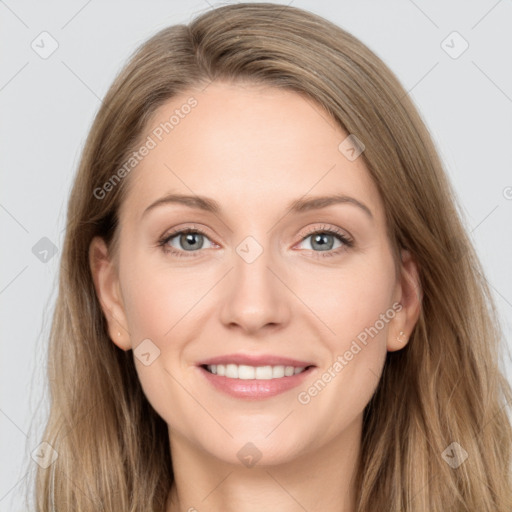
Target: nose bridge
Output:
[(255, 297)]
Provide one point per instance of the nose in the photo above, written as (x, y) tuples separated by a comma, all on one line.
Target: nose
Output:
[(255, 299)]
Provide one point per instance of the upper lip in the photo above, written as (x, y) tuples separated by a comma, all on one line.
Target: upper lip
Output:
[(255, 360)]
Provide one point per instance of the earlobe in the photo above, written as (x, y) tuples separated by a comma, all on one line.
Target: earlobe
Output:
[(106, 284), (410, 298)]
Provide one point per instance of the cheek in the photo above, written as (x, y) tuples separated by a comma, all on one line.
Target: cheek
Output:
[(351, 298), (357, 307), (340, 390), (156, 298), (158, 306)]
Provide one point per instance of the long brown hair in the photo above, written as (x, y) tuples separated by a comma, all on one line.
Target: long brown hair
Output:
[(444, 387)]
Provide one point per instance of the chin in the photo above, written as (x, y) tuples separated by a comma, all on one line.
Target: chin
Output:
[(258, 450)]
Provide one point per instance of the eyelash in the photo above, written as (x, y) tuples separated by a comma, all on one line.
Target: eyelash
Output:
[(346, 241)]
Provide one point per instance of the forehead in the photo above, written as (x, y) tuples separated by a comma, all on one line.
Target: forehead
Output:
[(249, 147)]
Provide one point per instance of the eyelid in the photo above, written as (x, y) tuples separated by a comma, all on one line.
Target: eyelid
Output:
[(184, 229), (326, 228)]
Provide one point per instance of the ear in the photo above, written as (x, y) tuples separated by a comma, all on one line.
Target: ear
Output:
[(409, 295), (106, 283)]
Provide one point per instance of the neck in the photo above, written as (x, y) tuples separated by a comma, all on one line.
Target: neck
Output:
[(320, 479)]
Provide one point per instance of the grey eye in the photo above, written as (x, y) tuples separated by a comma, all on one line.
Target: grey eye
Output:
[(322, 241), (190, 241)]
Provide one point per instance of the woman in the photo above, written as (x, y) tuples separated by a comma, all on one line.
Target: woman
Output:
[(267, 299)]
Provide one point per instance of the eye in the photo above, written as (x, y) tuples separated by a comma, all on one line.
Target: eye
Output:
[(323, 241), (181, 242), (188, 241)]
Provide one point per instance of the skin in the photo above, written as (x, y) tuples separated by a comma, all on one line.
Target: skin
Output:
[(254, 149)]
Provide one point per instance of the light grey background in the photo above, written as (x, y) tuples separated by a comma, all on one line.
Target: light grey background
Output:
[(48, 105)]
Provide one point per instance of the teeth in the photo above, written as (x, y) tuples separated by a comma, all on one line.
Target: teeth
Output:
[(277, 372), (244, 372), (260, 372)]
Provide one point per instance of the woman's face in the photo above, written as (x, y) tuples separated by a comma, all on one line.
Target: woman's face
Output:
[(256, 286)]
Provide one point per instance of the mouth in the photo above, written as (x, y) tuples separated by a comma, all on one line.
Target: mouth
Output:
[(255, 381)]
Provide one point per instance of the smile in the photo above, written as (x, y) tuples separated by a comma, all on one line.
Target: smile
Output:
[(254, 382), (246, 372)]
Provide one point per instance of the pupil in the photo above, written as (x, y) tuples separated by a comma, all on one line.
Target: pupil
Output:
[(189, 237), (320, 239)]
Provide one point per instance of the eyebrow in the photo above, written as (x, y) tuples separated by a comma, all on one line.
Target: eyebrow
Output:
[(297, 206)]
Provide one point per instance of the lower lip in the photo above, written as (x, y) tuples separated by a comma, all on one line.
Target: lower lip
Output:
[(255, 388)]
